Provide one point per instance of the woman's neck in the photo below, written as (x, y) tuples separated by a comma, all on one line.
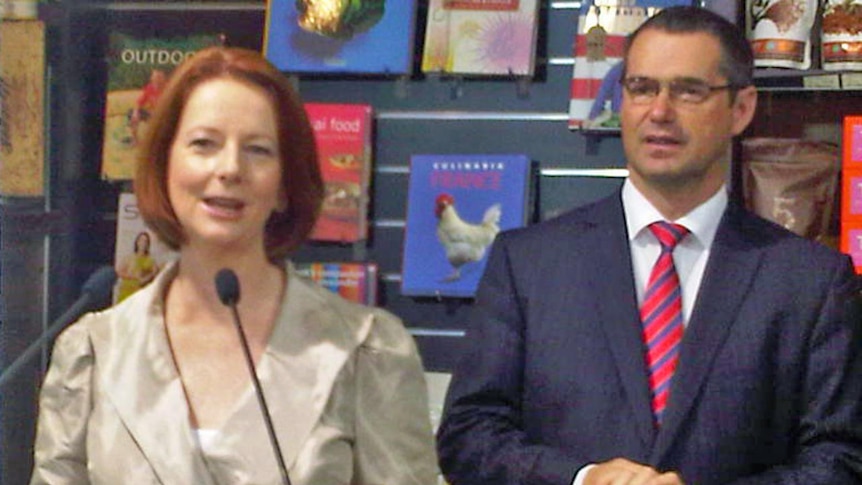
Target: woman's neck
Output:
[(193, 290)]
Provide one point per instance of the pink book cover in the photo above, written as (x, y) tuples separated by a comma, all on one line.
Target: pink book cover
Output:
[(343, 134), (851, 193), (481, 37)]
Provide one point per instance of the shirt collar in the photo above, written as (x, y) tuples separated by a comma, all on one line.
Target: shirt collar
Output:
[(702, 221)]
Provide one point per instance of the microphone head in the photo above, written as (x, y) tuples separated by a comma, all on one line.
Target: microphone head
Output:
[(227, 286), (99, 285)]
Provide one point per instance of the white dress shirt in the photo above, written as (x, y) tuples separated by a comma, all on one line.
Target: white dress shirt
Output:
[(689, 256)]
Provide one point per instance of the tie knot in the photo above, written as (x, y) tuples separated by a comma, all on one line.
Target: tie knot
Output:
[(668, 234)]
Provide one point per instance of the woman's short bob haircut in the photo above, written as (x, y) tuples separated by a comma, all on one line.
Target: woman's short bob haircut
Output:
[(300, 174)]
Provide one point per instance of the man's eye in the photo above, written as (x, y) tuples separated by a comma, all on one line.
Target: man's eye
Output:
[(691, 89), (642, 88)]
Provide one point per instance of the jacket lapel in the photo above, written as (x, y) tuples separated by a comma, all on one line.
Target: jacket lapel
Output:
[(308, 349), (731, 267), (618, 313), (138, 374)]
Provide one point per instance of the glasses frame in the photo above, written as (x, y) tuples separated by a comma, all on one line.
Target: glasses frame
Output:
[(674, 93)]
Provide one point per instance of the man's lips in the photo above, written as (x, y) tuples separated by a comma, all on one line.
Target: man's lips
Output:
[(665, 140)]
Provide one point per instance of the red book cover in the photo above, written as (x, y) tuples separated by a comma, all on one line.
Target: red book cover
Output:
[(343, 136)]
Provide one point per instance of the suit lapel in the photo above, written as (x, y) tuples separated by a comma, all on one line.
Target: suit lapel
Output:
[(618, 313), (138, 375), (731, 267)]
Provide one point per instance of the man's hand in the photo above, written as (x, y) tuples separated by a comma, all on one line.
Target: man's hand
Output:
[(620, 471)]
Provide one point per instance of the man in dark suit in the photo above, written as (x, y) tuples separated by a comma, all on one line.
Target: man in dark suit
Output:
[(663, 335)]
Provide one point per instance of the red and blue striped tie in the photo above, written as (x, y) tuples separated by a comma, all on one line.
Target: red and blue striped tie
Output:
[(661, 314)]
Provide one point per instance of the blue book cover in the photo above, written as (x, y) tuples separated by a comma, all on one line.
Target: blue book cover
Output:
[(349, 37), (456, 206)]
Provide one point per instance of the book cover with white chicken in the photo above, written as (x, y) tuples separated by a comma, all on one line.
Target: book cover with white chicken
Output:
[(456, 206)]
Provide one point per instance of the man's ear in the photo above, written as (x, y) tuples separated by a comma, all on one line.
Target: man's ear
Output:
[(744, 106)]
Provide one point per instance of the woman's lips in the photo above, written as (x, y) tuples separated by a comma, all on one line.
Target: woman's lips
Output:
[(224, 206)]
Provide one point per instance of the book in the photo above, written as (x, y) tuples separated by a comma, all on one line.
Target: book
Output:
[(481, 37), (22, 93), (851, 193), (357, 36), (603, 25), (456, 206), (138, 68), (139, 254), (343, 135), (354, 281)]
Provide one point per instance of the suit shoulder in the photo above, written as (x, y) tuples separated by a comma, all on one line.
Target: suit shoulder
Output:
[(571, 222), (768, 233)]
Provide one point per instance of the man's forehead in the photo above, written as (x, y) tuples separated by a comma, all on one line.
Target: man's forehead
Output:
[(685, 52)]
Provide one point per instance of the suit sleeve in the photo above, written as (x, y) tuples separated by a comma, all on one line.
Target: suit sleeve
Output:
[(394, 442), (60, 455), (482, 438), (828, 444)]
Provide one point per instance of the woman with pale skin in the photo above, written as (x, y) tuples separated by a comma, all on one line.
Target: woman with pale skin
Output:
[(157, 387), (136, 269)]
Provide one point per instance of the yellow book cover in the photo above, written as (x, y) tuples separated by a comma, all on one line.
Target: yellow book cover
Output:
[(22, 91)]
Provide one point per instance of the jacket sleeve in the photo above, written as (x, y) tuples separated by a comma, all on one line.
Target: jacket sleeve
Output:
[(482, 439), (394, 441), (828, 444), (65, 403)]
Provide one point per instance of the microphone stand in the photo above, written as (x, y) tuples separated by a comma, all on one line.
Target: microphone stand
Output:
[(97, 287), (282, 468)]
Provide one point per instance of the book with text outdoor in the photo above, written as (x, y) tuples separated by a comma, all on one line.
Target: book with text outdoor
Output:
[(481, 37), (456, 206), (138, 68), (354, 281), (343, 134), (346, 37)]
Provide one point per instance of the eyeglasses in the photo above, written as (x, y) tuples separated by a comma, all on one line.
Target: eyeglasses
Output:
[(643, 90)]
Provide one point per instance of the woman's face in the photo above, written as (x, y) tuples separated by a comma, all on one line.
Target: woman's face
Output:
[(224, 166), (142, 243)]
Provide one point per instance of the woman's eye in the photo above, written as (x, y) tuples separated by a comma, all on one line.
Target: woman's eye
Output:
[(260, 150), (201, 143)]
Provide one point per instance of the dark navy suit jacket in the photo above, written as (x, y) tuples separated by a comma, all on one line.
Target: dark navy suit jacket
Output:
[(768, 389)]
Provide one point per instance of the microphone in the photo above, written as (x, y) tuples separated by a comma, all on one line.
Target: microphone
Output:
[(227, 287), (97, 288)]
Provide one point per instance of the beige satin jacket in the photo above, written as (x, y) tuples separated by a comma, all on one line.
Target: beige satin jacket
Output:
[(344, 384)]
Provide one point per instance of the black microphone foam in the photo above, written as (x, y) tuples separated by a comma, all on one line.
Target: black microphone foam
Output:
[(100, 283), (227, 286)]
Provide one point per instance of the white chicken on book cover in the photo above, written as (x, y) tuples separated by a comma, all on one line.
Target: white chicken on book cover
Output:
[(457, 204)]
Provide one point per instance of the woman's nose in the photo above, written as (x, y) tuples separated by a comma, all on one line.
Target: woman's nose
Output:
[(229, 163)]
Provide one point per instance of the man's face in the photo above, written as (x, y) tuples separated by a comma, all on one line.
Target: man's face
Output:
[(672, 143)]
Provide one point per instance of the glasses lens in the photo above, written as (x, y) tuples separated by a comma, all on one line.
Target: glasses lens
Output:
[(641, 89), (690, 91)]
